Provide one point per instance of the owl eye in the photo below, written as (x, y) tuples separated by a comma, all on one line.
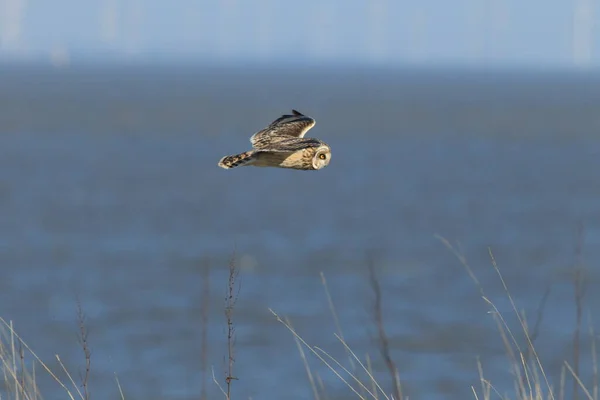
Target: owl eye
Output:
[(322, 156)]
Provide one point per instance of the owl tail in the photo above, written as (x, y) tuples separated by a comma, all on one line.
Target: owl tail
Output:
[(238, 160)]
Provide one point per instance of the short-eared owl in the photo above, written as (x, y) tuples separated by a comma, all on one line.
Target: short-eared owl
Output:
[(282, 144)]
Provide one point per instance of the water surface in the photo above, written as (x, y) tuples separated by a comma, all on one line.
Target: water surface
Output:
[(109, 191)]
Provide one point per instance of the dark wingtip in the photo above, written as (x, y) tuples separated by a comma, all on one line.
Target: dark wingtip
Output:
[(222, 164), (297, 112)]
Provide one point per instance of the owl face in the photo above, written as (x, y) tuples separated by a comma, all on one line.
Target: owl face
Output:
[(322, 157)]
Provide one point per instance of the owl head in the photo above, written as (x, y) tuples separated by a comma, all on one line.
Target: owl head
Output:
[(321, 157)]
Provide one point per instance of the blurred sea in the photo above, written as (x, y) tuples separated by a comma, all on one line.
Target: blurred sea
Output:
[(110, 193)]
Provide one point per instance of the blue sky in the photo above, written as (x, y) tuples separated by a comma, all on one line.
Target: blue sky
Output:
[(472, 32)]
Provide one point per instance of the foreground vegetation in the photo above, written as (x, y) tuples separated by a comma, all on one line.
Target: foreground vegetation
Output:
[(20, 363)]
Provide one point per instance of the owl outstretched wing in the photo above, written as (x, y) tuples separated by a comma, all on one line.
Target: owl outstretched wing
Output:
[(288, 144), (284, 127)]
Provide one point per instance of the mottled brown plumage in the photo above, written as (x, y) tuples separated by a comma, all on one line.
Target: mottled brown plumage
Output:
[(236, 160), (282, 144)]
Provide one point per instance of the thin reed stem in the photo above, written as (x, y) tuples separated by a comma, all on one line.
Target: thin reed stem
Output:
[(384, 346), (83, 341), (230, 301), (205, 307)]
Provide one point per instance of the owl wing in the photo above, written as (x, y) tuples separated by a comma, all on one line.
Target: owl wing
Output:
[(286, 144), (286, 126)]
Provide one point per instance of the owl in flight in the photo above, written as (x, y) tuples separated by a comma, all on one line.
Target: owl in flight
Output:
[(282, 145)]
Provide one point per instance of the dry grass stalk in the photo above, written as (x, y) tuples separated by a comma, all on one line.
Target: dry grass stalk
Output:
[(306, 365), (530, 378), (13, 334), (83, 341), (347, 371), (578, 381), (119, 387), (563, 379), (538, 364), (334, 314), (370, 373), (23, 383), (16, 382), (384, 346), (204, 333), (230, 301), (322, 390), (579, 292), (338, 326), (22, 359), (317, 352), (594, 360)]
